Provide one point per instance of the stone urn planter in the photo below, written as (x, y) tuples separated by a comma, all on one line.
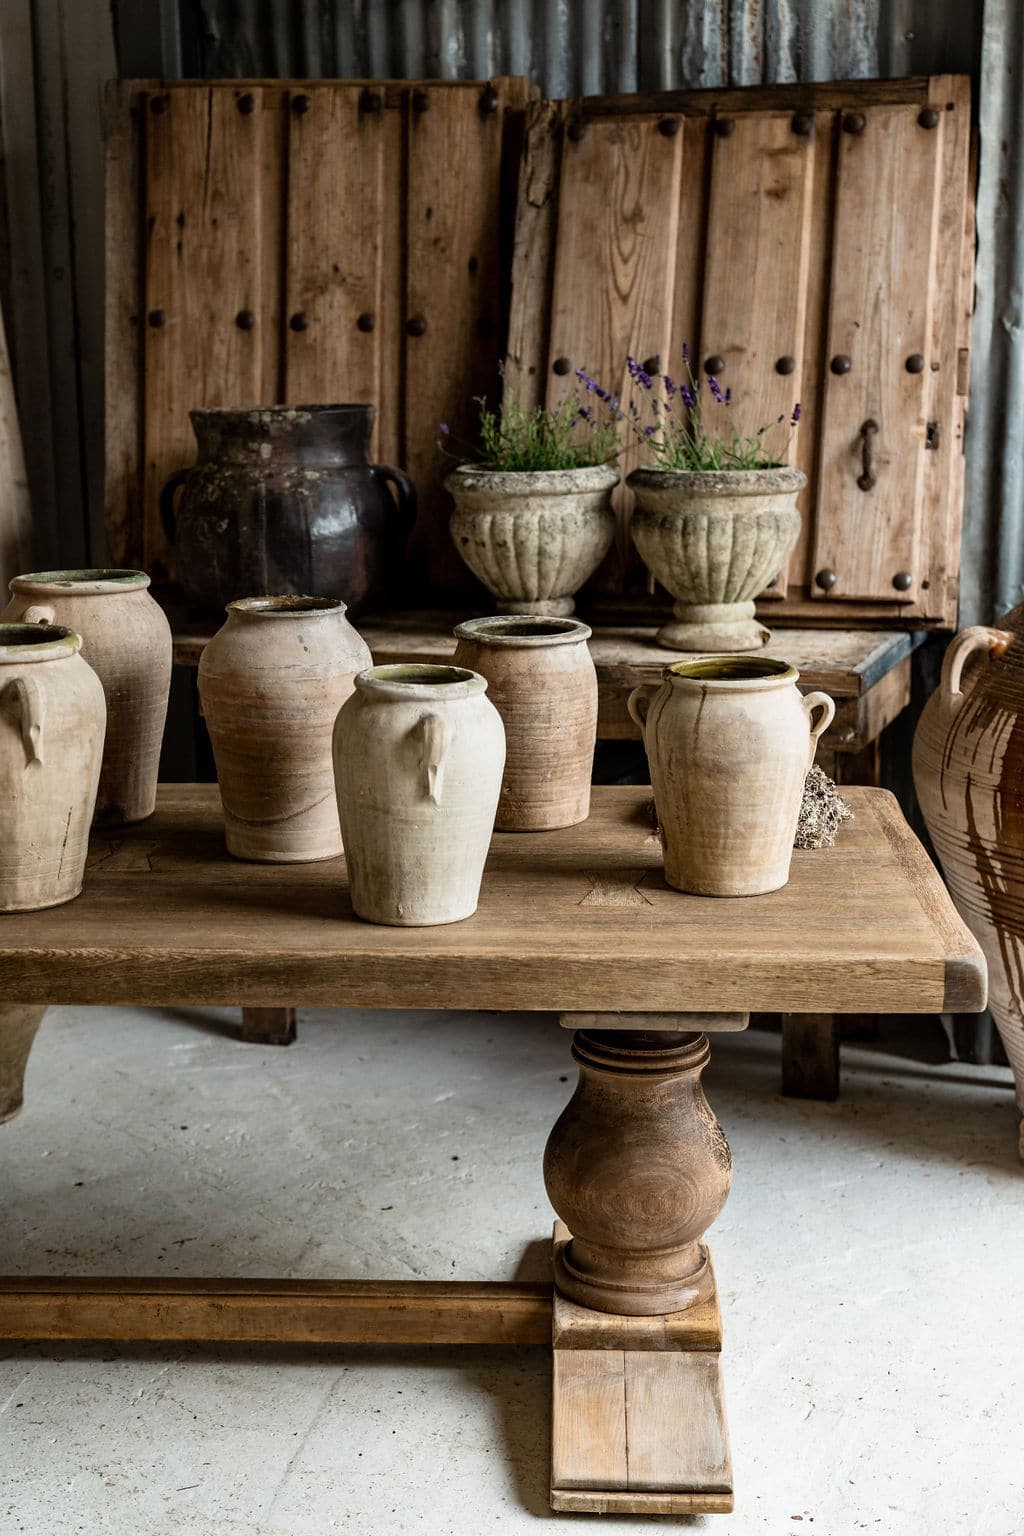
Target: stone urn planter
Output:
[(969, 777), (533, 537), (715, 539)]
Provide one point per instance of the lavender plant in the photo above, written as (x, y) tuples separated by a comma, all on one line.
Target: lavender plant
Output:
[(567, 437), (668, 417)]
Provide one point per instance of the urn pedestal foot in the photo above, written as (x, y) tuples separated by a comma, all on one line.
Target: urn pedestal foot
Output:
[(18, 1025), (716, 627), (637, 1167), (546, 607)]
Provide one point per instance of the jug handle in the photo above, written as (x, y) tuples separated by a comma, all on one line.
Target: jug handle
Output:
[(38, 613), (960, 647), (435, 739), (818, 701), (33, 715), (167, 517), (639, 702), (405, 493)]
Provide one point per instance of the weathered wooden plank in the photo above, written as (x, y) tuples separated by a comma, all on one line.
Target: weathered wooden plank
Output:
[(202, 270), (276, 1311), (123, 330), (452, 312), (755, 277), (15, 505), (533, 256), (618, 215), (334, 259), (868, 516)]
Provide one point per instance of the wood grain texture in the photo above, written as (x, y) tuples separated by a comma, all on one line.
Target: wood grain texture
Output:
[(203, 268), (865, 926), (275, 1311), (700, 1023), (755, 276), (335, 249), (578, 1327), (618, 215), (880, 314), (123, 325), (533, 256), (631, 1423), (15, 507), (453, 288)]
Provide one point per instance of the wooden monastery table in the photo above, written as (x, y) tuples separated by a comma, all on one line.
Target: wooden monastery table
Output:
[(579, 922)]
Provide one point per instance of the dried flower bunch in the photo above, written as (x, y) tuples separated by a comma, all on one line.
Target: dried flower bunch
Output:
[(516, 440), (668, 417)]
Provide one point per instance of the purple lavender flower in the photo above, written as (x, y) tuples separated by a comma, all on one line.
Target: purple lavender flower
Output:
[(688, 397), (716, 389), (796, 414), (728, 397), (584, 414), (445, 428), (649, 431), (686, 353), (670, 385)]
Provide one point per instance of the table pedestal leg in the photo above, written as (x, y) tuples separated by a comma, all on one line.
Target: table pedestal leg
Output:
[(268, 1026), (18, 1025), (637, 1167)]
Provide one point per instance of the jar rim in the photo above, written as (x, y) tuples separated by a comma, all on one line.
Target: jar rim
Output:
[(286, 606), (735, 672), (21, 643), (523, 630), (90, 581), (420, 680)]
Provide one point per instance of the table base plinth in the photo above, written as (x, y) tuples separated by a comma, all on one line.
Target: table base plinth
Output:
[(638, 1416)]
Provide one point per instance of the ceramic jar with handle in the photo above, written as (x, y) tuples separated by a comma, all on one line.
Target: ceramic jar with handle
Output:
[(729, 740), (541, 680), (126, 639), (418, 755), (969, 777), (271, 682), (283, 499), (52, 719)]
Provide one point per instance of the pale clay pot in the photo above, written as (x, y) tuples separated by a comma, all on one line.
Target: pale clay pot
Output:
[(418, 756), (52, 720), (126, 639), (541, 680), (730, 741), (271, 683), (533, 537), (714, 540), (969, 776)]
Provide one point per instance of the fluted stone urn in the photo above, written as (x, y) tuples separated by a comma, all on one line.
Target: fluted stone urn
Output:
[(533, 536), (715, 539)]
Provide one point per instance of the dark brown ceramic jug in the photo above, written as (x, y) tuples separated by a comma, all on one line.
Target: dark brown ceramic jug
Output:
[(282, 500)]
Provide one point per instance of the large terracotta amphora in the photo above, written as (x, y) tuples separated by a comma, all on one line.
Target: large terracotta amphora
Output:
[(969, 776)]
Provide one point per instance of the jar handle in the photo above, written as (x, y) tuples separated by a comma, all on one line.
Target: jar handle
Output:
[(639, 703), (997, 642), (435, 739), (813, 702), (405, 494), (167, 517), (33, 715), (38, 613)]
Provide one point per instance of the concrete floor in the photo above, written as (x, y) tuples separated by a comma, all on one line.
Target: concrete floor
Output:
[(870, 1262)]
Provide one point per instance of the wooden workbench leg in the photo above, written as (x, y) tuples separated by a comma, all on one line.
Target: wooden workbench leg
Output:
[(810, 1055), (268, 1026), (637, 1167), (18, 1025)]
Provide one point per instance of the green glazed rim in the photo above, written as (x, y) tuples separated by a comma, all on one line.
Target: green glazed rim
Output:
[(23, 643), (733, 671), (88, 582)]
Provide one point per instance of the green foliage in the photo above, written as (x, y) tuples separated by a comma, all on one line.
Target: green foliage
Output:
[(568, 437)]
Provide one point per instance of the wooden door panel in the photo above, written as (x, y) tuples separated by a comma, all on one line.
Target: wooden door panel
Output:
[(755, 276), (618, 213), (333, 268), (868, 525), (203, 269)]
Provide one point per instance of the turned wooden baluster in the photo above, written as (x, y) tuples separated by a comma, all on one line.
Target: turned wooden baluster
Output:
[(638, 1168)]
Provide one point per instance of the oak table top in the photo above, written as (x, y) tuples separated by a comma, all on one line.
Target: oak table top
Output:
[(573, 920)]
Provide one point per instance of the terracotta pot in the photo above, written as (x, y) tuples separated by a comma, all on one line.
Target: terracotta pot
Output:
[(271, 682), (541, 680), (533, 537), (283, 500), (969, 776), (52, 718), (126, 639), (729, 742), (418, 754), (715, 540)]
